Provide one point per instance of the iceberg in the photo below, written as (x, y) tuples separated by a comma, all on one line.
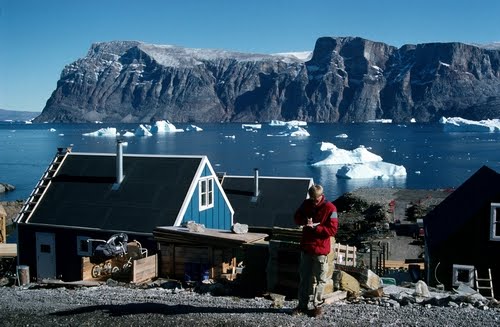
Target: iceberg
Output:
[(292, 130), (380, 170), (143, 130), (285, 123), (383, 121), (251, 126), (193, 128), (164, 126), (458, 124), (128, 134), (108, 132), (342, 136), (329, 154)]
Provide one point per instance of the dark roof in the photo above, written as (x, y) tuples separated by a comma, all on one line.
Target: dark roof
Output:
[(276, 204), (151, 193), (461, 205)]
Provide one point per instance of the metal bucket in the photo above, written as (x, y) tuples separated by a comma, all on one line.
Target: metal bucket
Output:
[(23, 275)]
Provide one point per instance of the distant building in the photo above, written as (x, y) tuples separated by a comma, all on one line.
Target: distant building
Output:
[(463, 233)]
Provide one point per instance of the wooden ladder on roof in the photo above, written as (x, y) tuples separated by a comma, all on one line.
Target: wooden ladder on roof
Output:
[(484, 284), (42, 185)]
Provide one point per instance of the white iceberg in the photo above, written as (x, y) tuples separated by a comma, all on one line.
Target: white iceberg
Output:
[(458, 124), (285, 123), (128, 134), (329, 154), (292, 130), (342, 136), (52, 130), (380, 170), (277, 123), (251, 126), (164, 126), (383, 121), (193, 128), (142, 130), (107, 131)]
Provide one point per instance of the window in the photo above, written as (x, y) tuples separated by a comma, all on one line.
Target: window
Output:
[(495, 222), (206, 187), (84, 246)]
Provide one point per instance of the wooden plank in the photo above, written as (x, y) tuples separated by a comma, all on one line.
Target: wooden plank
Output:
[(399, 264), (144, 269), (214, 237), (8, 250)]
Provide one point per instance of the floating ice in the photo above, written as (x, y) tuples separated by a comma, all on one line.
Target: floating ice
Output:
[(142, 130), (292, 130), (380, 170), (164, 126), (342, 136), (128, 134), (457, 124), (107, 131), (52, 130), (329, 154), (251, 126), (290, 123), (193, 128), (383, 121), (230, 136)]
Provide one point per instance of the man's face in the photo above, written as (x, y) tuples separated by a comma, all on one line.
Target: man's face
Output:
[(317, 199)]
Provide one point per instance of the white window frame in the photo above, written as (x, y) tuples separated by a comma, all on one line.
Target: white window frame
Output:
[(204, 184), (494, 221), (79, 250)]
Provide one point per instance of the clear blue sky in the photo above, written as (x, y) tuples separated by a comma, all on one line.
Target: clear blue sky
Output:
[(39, 37)]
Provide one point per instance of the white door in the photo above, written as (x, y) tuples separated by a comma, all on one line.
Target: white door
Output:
[(45, 255)]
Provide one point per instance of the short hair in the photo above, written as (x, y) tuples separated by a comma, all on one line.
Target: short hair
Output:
[(315, 191)]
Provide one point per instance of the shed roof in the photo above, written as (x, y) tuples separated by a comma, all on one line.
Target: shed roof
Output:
[(151, 194), (279, 198)]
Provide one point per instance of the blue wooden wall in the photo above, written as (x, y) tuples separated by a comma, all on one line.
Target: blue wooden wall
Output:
[(217, 217)]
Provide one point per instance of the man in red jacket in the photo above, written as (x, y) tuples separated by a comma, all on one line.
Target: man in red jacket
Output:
[(318, 218)]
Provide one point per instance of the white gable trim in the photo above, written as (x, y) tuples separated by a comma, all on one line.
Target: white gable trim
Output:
[(190, 193), (219, 186), (192, 188)]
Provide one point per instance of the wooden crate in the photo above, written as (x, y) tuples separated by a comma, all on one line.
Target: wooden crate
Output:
[(344, 254), (144, 269)]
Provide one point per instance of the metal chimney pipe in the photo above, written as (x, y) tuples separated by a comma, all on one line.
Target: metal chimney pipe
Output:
[(119, 161), (256, 182)]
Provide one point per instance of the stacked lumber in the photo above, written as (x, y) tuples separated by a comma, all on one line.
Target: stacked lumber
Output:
[(213, 237), (284, 262), (196, 256)]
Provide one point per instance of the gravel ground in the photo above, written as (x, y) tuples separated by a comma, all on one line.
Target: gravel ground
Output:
[(122, 306)]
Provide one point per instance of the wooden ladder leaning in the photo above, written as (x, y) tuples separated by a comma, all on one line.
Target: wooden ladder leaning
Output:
[(42, 185), (484, 284)]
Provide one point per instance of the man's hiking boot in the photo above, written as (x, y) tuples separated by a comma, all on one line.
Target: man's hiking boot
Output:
[(316, 312)]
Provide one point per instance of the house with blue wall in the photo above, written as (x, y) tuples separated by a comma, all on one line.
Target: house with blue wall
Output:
[(88, 196)]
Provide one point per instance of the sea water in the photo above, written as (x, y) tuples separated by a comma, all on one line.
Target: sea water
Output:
[(432, 158)]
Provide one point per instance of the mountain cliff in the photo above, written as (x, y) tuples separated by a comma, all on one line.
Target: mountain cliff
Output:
[(345, 79)]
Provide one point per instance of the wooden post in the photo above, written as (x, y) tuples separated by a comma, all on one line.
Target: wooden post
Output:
[(371, 256)]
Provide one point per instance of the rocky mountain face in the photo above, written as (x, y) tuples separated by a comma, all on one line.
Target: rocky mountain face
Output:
[(347, 79)]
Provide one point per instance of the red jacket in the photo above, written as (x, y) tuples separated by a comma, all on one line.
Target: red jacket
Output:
[(316, 240)]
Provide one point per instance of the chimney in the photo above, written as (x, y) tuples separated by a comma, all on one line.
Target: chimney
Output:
[(119, 164)]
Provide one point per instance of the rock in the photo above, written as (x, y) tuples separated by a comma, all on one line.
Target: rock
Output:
[(239, 228), (4, 187), (195, 227)]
